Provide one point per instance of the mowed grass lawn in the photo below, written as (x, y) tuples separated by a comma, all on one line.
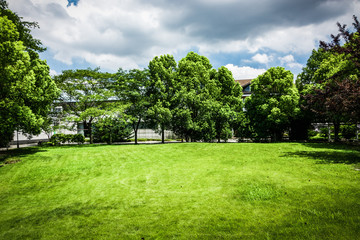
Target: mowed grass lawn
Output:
[(182, 191)]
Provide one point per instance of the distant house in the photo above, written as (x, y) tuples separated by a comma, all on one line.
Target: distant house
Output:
[(245, 84)]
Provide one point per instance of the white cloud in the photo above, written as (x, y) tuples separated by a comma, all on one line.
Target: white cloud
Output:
[(287, 59), (262, 58), (295, 65), (244, 72), (129, 33), (53, 72)]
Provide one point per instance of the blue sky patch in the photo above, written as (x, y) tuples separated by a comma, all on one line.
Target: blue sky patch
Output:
[(75, 2)]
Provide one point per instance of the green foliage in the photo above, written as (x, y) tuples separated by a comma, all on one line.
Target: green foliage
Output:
[(305, 82), (273, 103), (330, 82), (111, 130), (85, 95), (160, 91), (245, 130), (31, 44), (58, 138), (227, 110), (348, 131), (6, 135), (197, 95), (131, 89), (193, 100), (324, 132), (312, 133), (78, 138), (26, 89), (61, 138), (310, 74)]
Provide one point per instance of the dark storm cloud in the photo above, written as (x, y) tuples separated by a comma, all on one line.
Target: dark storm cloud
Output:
[(241, 19)]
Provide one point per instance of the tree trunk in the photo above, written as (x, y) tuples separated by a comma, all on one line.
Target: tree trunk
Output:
[(162, 135), (110, 142), (135, 136), (17, 139), (90, 132), (136, 128)]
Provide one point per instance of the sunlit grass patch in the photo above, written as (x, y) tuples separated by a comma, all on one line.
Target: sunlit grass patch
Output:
[(181, 191)]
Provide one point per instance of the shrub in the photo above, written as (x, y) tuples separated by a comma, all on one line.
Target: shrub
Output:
[(324, 132), (59, 138), (56, 139), (78, 138), (120, 131), (348, 131), (6, 136), (312, 133)]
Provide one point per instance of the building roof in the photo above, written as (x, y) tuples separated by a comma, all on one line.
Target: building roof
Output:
[(244, 82)]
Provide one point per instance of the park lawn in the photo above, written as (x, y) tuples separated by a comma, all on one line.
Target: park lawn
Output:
[(181, 191)]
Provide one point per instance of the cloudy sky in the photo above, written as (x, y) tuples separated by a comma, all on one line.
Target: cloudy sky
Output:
[(247, 36)]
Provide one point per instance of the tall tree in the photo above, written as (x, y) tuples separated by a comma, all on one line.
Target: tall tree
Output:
[(228, 109), (338, 101), (86, 93), (274, 101), (196, 92), (160, 91), (307, 77), (346, 42), (131, 89), (337, 74), (305, 82), (26, 88)]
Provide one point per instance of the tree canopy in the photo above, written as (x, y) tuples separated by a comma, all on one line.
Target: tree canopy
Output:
[(85, 94), (160, 91), (130, 88), (273, 103), (31, 44), (330, 90), (26, 88)]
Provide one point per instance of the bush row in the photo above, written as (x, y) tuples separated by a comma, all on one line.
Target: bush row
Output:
[(347, 132), (59, 138)]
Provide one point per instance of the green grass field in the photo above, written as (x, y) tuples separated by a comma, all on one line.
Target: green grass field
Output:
[(181, 191)]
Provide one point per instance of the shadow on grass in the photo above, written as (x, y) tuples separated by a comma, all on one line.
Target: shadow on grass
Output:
[(355, 146), (54, 214), (328, 157), (334, 153), (13, 155)]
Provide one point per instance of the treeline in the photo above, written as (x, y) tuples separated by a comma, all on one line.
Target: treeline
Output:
[(190, 98)]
